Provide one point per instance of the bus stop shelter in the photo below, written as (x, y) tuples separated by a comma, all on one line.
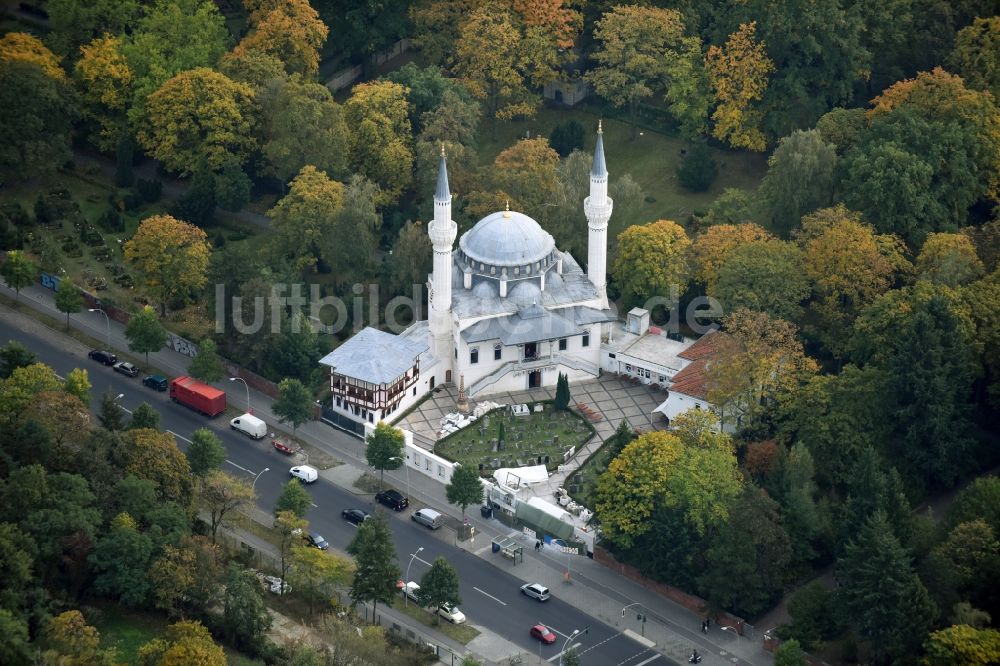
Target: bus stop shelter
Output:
[(510, 548)]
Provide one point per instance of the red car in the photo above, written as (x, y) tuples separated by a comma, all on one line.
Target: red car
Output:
[(543, 633)]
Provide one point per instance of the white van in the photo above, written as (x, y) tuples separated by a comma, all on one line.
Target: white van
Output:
[(428, 518), (249, 425)]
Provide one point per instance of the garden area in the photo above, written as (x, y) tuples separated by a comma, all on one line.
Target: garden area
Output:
[(499, 439)]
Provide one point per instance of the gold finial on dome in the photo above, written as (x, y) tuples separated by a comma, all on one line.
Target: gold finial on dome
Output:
[(506, 206), (442, 149), (599, 129)]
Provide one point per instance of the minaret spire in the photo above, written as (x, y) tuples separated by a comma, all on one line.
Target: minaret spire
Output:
[(442, 192), (597, 208)]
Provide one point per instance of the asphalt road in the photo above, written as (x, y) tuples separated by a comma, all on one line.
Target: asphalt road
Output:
[(491, 597)]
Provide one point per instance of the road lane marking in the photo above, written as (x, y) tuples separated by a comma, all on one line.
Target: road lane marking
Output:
[(315, 506), (180, 436), (241, 468), (557, 631), (571, 647), (653, 658), (502, 603)]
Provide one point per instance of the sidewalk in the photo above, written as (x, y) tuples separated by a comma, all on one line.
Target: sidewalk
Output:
[(592, 586)]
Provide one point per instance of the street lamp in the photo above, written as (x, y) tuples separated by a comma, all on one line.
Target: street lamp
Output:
[(254, 484), (641, 617), (576, 632), (240, 379), (406, 580), (407, 468), (107, 320), (732, 629)]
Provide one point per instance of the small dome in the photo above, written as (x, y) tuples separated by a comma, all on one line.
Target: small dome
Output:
[(507, 238), (525, 293), (485, 289), (553, 279)]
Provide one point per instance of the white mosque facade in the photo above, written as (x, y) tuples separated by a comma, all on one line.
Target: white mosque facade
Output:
[(508, 311)]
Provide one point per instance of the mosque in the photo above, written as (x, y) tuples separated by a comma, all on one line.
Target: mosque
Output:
[(508, 311)]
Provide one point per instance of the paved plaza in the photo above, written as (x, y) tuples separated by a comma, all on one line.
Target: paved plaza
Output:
[(608, 398)]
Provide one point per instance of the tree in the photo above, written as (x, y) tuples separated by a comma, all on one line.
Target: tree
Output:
[(293, 498), (758, 361), (976, 57), (710, 249), (294, 403), (948, 259), (842, 128), (72, 640), (360, 220), (293, 33), (205, 453), (207, 366), (439, 586), (121, 557), (74, 24), (17, 552), (375, 561), (222, 496), (172, 255), (303, 125), (465, 488), (636, 43), (68, 298), (145, 416), (738, 73), (256, 69), (697, 171), (232, 185), (14, 355), (436, 27), (173, 36), (18, 272), (381, 137), (962, 644), (766, 276), (979, 499), (318, 574), (197, 204), (78, 384), (651, 261), (111, 416), (15, 647), (812, 620), (105, 82), (199, 114), (800, 179), (527, 171), (186, 642), (790, 653), (306, 216), (880, 594), (24, 48), (411, 258), (384, 448), (145, 333), (153, 455), (566, 137), (289, 528), (562, 398), (36, 120)]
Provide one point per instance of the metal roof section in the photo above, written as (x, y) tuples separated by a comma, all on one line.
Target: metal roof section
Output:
[(507, 238), (532, 324), (375, 356)]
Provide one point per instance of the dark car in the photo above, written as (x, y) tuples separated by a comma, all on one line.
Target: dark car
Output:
[(392, 499), (355, 516), (126, 369), (156, 382), (317, 541), (104, 357)]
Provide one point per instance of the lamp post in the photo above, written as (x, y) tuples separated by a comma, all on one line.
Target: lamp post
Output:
[(107, 321), (407, 471), (413, 556), (732, 629), (240, 379), (576, 632), (641, 617), (254, 484)]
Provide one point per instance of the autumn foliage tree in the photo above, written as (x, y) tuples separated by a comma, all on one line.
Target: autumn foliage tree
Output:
[(711, 247), (976, 57), (738, 72), (172, 256), (105, 81), (381, 136), (199, 114), (651, 261), (22, 47), (305, 217), (292, 32)]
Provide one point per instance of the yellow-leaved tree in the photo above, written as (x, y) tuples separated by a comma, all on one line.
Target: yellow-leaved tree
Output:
[(199, 114), (186, 642), (105, 81), (171, 255), (381, 136), (291, 32), (528, 172), (22, 47), (948, 259), (711, 247), (652, 260), (738, 73), (305, 217)]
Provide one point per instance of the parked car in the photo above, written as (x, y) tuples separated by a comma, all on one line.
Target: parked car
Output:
[(104, 357), (304, 473), (451, 613), (126, 369), (392, 499), (249, 425), (316, 540), (429, 518), (543, 633), (355, 516), (536, 591), (412, 590), (156, 382)]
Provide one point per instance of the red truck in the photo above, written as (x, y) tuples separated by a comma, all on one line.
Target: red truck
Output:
[(199, 396)]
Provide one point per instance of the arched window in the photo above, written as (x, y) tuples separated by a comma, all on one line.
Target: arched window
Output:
[(497, 351)]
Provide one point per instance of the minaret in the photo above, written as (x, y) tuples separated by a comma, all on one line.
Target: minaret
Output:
[(442, 231), (597, 208)]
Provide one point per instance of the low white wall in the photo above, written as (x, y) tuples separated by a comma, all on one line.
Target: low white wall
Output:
[(421, 460)]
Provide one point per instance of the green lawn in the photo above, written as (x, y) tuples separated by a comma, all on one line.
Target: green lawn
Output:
[(527, 438), (126, 630), (461, 633), (651, 159)]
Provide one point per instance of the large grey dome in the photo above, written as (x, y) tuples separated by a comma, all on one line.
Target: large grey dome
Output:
[(507, 238)]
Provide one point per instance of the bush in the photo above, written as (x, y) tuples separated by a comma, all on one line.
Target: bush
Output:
[(15, 214), (697, 171), (45, 209), (566, 137), (149, 190), (111, 220)]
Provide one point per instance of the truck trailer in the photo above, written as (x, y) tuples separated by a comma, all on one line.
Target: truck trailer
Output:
[(199, 396)]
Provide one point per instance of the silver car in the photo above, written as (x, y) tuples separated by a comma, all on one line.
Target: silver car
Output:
[(536, 591)]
